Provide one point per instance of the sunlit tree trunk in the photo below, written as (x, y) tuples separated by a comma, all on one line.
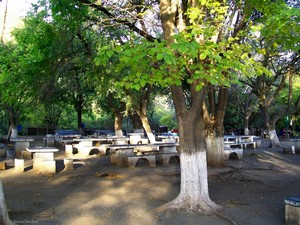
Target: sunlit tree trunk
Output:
[(118, 124), (141, 110), (4, 21), (146, 126)]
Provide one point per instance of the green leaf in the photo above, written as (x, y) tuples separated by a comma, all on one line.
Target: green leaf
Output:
[(137, 87), (203, 55), (109, 53)]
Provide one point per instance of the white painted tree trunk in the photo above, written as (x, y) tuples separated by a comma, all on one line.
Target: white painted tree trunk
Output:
[(274, 138), (119, 133), (193, 194), (14, 132), (246, 131), (4, 218), (151, 137)]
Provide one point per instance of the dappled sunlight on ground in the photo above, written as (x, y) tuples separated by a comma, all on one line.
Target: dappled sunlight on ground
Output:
[(96, 192)]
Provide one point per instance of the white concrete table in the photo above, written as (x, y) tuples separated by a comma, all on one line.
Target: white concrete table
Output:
[(43, 158), (21, 144)]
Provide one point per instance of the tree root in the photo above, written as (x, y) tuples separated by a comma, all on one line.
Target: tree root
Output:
[(210, 209)]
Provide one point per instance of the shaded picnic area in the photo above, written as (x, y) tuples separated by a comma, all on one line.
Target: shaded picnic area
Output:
[(251, 190)]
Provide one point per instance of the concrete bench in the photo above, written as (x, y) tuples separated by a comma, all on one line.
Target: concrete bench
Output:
[(90, 150), (49, 141), (43, 159), (233, 153), (2, 165), (21, 144), (250, 143), (232, 145), (68, 163), (19, 165), (132, 160), (165, 158), (292, 210), (146, 149)]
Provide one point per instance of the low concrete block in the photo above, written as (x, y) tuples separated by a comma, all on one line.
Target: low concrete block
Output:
[(233, 151), (292, 210), (68, 164), (165, 158), (26, 155), (68, 150), (132, 160), (2, 165), (113, 158), (168, 149), (19, 165), (48, 166)]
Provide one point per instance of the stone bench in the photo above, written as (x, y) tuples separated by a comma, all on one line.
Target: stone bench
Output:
[(43, 159), (2, 165), (90, 150), (21, 144), (68, 163), (19, 165), (250, 143), (292, 210), (146, 149), (234, 153), (165, 158), (132, 160)]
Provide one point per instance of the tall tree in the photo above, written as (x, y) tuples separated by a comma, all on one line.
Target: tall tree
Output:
[(203, 46)]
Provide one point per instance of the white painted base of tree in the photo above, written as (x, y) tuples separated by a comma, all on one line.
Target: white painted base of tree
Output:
[(151, 137), (246, 131), (4, 218), (193, 196), (274, 138)]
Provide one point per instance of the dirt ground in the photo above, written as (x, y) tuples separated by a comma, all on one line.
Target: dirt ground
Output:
[(251, 191)]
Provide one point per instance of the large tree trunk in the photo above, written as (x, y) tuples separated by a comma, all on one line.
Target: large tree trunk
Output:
[(270, 125), (214, 117), (141, 109), (118, 124), (246, 125), (13, 121), (136, 121), (147, 126), (194, 195), (215, 150), (274, 140)]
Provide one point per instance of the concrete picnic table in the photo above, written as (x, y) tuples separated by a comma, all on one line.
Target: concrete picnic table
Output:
[(43, 158), (21, 144)]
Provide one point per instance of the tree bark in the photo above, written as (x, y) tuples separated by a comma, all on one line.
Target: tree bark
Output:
[(193, 194), (146, 126), (136, 121), (214, 117), (13, 121), (118, 124), (270, 125)]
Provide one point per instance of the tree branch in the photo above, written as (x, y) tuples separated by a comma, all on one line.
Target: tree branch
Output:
[(125, 22)]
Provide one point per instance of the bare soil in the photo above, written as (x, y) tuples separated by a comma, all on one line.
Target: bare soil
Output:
[(251, 191)]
